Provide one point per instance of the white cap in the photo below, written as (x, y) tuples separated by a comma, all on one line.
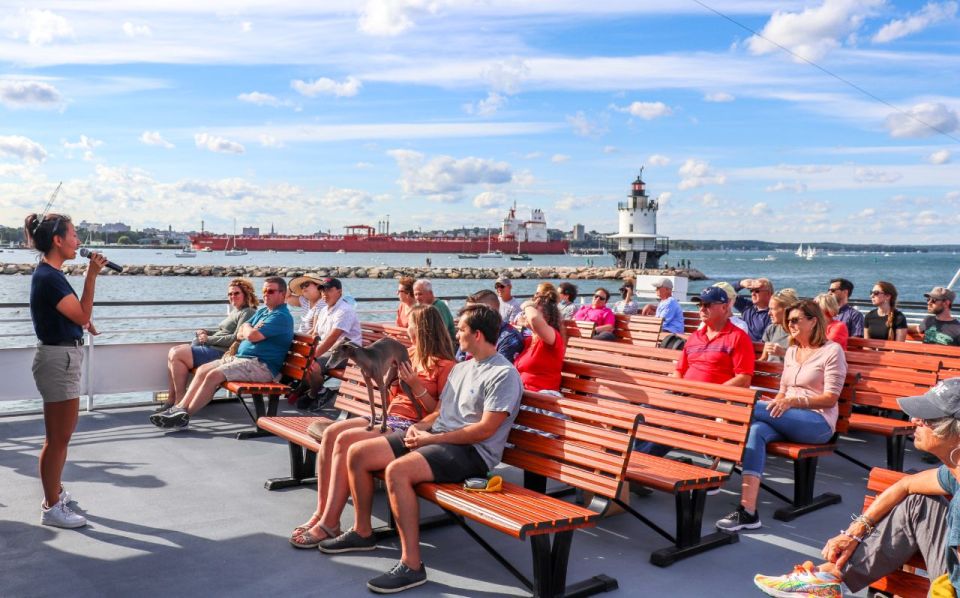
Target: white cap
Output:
[(663, 282)]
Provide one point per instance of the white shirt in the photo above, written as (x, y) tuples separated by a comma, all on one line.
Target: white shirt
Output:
[(341, 316)]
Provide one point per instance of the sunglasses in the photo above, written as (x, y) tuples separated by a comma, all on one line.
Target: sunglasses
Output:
[(600, 297), (834, 289), (499, 286), (756, 291), (932, 300), (876, 293), (796, 321), (270, 291)]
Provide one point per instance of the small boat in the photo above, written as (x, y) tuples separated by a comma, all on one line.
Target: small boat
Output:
[(468, 256), (521, 257), (810, 253), (299, 251), (187, 251), (341, 251), (207, 250), (491, 254), (232, 249), (800, 252)]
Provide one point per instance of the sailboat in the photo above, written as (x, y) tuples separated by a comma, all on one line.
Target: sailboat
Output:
[(491, 254), (799, 252), (520, 257), (810, 253), (187, 251), (232, 249)]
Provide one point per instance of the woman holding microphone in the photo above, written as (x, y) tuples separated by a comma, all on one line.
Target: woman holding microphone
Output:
[(59, 319)]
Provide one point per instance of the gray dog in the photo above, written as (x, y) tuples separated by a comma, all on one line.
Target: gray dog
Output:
[(378, 362)]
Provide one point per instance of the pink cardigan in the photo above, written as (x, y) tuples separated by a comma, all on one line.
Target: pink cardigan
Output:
[(822, 372)]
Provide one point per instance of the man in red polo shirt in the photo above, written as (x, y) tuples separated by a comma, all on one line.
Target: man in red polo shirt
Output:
[(719, 352)]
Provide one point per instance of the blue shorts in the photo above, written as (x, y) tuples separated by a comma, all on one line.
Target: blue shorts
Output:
[(203, 354)]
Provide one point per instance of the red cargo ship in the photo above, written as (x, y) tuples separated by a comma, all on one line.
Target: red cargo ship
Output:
[(364, 239)]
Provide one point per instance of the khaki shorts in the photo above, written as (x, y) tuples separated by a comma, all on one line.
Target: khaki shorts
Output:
[(56, 371), (245, 369)]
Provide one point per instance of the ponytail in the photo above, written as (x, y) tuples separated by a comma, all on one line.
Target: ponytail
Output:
[(891, 291), (39, 232)]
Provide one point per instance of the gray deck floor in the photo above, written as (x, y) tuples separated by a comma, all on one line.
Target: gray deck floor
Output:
[(186, 514)]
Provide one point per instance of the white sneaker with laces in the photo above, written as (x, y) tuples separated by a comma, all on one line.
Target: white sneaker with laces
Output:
[(60, 515), (65, 497)]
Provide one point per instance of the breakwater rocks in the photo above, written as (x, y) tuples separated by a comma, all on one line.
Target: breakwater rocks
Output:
[(532, 272)]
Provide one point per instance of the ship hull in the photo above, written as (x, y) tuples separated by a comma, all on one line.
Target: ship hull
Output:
[(375, 244)]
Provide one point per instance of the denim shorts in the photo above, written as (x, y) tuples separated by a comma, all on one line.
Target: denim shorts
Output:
[(203, 354)]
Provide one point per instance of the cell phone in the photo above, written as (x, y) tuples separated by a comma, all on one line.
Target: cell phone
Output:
[(475, 483)]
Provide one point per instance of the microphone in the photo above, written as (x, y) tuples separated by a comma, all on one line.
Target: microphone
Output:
[(87, 253)]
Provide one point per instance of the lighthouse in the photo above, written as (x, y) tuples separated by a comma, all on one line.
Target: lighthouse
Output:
[(637, 243)]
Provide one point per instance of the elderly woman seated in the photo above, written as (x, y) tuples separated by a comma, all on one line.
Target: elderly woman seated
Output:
[(210, 343)]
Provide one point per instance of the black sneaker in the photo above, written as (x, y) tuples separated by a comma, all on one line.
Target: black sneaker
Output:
[(349, 541), (398, 579), (305, 403), (739, 520), (177, 417), (159, 418)]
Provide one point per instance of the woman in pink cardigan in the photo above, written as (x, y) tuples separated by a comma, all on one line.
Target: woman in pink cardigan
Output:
[(805, 409)]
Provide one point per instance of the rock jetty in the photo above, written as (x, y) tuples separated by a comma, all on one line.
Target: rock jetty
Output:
[(538, 273)]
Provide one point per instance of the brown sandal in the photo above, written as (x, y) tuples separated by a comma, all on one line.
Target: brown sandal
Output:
[(308, 540), (314, 519)]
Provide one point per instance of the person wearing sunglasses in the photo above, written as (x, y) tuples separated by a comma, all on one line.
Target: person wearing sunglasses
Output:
[(265, 340), (841, 289), (210, 343), (602, 316), (804, 410), (776, 338), (939, 327), (754, 310), (885, 321), (59, 319), (836, 330), (405, 299), (918, 513)]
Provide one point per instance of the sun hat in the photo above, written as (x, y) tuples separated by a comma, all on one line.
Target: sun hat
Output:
[(297, 283)]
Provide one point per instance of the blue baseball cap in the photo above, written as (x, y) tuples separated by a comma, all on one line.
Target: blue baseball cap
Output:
[(943, 400), (711, 295)]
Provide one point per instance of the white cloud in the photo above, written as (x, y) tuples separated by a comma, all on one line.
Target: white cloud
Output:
[(246, 27), (84, 144), (795, 187), (709, 200), (610, 149), (664, 198), (347, 199), (866, 213), (646, 110), (393, 17), (697, 173), (217, 144), (155, 138), (939, 157), (573, 202), (324, 86), (489, 199), (760, 209), (21, 147), (804, 168), (952, 196), (29, 94), (928, 218), (523, 178), (719, 97), (444, 177), (39, 27), (132, 30), (532, 155), (585, 127), (260, 99), (874, 175), (487, 106), (269, 141), (923, 120), (658, 160), (505, 76), (815, 31), (930, 14), (559, 158)]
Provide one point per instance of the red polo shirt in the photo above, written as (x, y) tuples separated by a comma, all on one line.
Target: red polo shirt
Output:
[(730, 353)]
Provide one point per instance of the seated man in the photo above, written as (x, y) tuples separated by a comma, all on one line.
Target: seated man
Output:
[(918, 513), (463, 438), (668, 308), (568, 296), (423, 294), (509, 339), (337, 322), (940, 327), (841, 289), (266, 338), (755, 310), (603, 318), (509, 306)]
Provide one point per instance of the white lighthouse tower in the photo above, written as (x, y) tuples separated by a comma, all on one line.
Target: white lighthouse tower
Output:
[(638, 245)]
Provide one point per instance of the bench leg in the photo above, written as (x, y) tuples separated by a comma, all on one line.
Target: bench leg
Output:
[(689, 539), (303, 469), (259, 410), (895, 451), (804, 478)]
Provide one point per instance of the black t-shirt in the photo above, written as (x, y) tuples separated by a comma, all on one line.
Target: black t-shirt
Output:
[(47, 287), (877, 324), (940, 332)]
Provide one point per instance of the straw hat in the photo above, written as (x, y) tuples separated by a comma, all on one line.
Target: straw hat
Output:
[(299, 281)]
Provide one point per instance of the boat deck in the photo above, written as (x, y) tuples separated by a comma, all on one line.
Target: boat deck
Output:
[(186, 514)]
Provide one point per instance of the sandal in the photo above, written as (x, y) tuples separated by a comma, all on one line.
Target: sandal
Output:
[(314, 519), (308, 540)]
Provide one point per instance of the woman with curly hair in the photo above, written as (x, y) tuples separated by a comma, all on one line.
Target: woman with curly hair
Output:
[(542, 358), (210, 343)]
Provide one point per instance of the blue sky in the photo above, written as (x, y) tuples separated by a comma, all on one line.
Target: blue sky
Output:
[(442, 113)]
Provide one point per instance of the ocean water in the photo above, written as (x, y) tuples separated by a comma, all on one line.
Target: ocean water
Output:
[(912, 273)]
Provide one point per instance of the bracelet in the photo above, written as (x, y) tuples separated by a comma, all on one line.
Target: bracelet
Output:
[(858, 540), (420, 394), (865, 522)]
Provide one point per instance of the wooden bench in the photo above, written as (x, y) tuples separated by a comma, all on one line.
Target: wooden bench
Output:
[(638, 330), (298, 359), (949, 356), (904, 582), (706, 423), (578, 329), (588, 449)]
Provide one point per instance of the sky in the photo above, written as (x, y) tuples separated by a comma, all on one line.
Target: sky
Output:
[(833, 120)]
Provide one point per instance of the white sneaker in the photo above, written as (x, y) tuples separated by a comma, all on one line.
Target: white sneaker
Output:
[(60, 515), (65, 497)]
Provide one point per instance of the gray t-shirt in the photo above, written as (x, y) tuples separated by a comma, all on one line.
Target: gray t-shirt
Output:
[(474, 387), (509, 309), (774, 333)]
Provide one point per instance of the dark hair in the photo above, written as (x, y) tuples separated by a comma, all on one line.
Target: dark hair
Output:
[(845, 284), (569, 289), (810, 309), (480, 318), (277, 280), (546, 297), (484, 297), (605, 292), (889, 289), (40, 233)]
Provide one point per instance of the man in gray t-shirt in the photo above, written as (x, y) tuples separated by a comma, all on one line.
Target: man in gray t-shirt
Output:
[(464, 438)]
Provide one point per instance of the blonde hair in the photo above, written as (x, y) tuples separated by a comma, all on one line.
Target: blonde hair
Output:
[(828, 303), (433, 341)]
